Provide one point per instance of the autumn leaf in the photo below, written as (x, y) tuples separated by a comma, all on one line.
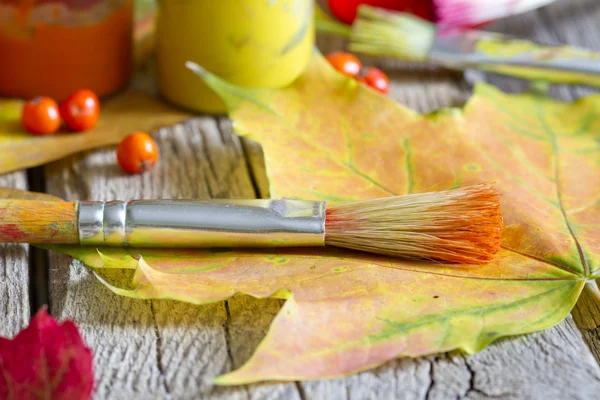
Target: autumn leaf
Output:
[(348, 312), (328, 137), (46, 360)]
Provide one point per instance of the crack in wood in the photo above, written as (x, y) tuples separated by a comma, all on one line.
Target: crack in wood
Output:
[(251, 170), (159, 349), (474, 389), (39, 265), (228, 333), (205, 148), (301, 391), (431, 378)]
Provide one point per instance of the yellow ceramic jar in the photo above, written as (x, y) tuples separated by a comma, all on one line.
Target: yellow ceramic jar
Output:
[(256, 43)]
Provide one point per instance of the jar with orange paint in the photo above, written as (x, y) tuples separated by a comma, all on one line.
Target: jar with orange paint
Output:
[(54, 47)]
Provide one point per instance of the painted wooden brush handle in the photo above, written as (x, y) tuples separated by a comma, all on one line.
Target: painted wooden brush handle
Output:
[(38, 222), (165, 223)]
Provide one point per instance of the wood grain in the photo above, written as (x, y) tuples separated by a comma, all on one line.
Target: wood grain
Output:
[(14, 274)]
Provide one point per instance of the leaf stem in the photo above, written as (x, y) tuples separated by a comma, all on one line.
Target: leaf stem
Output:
[(592, 288)]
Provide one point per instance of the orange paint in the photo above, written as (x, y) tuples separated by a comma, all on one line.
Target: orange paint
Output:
[(461, 226), (93, 50)]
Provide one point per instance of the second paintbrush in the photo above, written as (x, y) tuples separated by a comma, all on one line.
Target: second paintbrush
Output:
[(404, 36)]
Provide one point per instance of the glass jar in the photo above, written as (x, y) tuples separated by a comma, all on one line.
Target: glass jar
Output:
[(257, 43), (54, 47)]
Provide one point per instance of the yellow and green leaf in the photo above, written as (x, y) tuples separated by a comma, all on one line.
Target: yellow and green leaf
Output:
[(349, 311)]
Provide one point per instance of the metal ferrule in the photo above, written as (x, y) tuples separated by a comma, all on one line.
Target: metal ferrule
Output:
[(458, 50), (218, 223)]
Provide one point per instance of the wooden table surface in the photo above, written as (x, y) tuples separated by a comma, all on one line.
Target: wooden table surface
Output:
[(166, 349)]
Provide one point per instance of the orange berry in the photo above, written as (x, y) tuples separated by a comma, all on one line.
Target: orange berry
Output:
[(345, 63), (137, 153), (375, 78), (40, 116), (80, 110)]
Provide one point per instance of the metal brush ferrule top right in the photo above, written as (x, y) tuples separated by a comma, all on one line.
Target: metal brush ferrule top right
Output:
[(459, 50), (215, 223)]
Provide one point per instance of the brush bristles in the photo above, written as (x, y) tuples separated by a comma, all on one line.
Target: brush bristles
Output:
[(454, 226), (384, 33)]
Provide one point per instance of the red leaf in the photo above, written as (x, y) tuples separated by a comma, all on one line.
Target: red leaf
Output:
[(46, 360)]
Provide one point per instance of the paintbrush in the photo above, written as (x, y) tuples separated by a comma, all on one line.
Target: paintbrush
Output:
[(404, 36), (454, 226)]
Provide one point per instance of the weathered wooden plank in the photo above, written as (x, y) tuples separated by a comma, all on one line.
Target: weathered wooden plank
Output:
[(152, 349), (14, 274)]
